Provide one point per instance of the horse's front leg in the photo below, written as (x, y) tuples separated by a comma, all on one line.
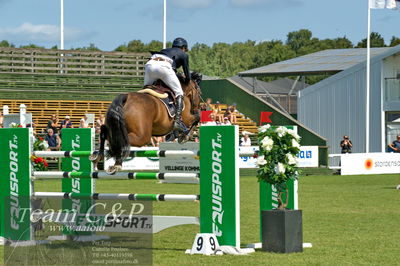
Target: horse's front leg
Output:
[(195, 119)]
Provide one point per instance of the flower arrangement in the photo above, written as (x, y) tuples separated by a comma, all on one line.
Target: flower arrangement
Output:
[(39, 164), (40, 144), (14, 125), (277, 159)]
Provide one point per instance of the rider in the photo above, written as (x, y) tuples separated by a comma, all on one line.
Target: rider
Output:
[(162, 65)]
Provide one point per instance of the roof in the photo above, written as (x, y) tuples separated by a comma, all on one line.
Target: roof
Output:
[(279, 86), (323, 62)]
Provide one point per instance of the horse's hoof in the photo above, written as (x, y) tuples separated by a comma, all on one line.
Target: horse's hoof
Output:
[(94, 156), (113, 169), (183, 139)]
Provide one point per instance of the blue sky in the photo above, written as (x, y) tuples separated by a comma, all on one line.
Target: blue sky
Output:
[(108, 24)]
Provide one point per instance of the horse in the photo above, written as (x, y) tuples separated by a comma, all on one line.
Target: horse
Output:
[(133, 118)]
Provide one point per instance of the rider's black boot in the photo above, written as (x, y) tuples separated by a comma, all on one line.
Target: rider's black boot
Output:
[(178, 124)]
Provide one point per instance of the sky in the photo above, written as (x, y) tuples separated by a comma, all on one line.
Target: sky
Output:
[(108, 24)]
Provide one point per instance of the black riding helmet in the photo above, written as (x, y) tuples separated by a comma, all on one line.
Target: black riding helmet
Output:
[(180, 43)]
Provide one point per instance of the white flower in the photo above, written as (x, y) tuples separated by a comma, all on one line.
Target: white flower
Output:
[(291, 159), (267, 143), (280, 168), (264, 128), (281, 131), (294, 134), (261, 160), (295, 143)]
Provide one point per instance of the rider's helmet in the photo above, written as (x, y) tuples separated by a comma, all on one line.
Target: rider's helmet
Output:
[(180, 43)]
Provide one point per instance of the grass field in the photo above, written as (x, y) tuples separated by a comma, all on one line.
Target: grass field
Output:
[(350, 220)]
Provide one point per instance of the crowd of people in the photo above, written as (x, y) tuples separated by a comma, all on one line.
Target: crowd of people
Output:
[(54, 126), (219, 116)]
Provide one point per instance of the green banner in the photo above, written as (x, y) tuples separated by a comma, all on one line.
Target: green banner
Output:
[(15, 171), (219, 183), (77, 139)]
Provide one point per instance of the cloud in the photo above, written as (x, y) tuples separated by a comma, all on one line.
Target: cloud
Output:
[(266, 3), (189, 4), (42, 33)]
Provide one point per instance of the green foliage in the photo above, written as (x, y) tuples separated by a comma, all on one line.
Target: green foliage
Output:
[(394, 41), (226, 60), (376, 40), (277, 157), (5, 43)]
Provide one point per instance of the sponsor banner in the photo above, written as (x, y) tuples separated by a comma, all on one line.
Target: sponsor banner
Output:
[(219, 186), (15, 186), (308, 156), (248, 162), (370, 163), (137, 163), (179, 165)]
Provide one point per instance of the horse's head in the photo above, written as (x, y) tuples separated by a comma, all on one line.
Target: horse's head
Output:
[(193, 92)]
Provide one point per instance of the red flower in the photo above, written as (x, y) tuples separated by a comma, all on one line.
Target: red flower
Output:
[(39, 160), (19, 125), (45, 163), (41, 139)]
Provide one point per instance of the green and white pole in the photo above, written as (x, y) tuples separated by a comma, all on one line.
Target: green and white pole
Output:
[(77, 139), (219, 183)]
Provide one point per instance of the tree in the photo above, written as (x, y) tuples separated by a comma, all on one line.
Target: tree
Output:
[(394, 41), (5, 43), (136, 46), (376, 41), (298, 39)]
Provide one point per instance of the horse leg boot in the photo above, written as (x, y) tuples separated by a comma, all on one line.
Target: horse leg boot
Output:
[(178, 124)]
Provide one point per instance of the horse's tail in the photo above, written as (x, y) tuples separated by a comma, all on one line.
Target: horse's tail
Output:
[(117, 133)]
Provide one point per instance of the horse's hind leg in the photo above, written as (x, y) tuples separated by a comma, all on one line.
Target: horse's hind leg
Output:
[(98, 156)]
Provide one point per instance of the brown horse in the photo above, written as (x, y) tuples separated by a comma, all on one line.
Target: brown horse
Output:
[(133, 118)]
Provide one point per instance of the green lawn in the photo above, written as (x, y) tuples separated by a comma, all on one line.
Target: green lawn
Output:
[(350, 220)]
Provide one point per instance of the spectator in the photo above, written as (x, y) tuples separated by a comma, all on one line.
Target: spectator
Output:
[(53, 140), (230, 113), (84, 122), (155, 141), (245, 140), (100, 122), (395, 145), (66, 123), (208, 106), (53, 123), (1, 120), (346, 144), (226, 121), (217, 112), (213, 122)]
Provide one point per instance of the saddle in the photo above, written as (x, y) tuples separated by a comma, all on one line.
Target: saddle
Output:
[(161, 91)]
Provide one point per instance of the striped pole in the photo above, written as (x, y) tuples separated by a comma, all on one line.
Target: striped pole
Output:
[(118, 175), (107, 196), (144, 153)]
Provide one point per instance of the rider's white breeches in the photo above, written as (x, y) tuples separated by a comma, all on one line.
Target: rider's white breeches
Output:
[(162, 70)]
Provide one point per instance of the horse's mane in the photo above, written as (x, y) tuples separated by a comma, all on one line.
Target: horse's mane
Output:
[(195, 76)]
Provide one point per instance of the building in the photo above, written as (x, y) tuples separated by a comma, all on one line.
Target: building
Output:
[(336, 106)]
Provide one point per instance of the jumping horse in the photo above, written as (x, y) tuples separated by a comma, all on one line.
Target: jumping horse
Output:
[(133, 118)]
